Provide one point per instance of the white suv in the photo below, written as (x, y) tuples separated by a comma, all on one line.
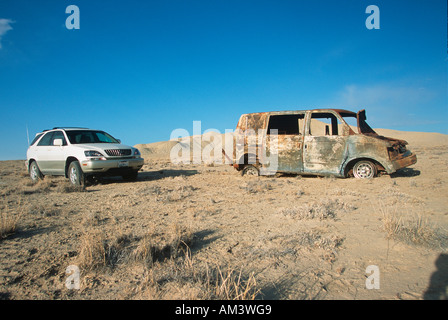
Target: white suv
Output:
[(78, 153)]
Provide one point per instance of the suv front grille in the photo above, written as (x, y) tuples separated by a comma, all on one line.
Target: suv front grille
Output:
[(118, 152)]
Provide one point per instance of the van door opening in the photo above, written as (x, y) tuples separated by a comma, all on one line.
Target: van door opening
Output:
[(289, 129), (324, 144)]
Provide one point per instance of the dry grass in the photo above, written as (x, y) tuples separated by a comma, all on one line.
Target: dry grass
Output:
[(8, 224), (257, 186), (412, 229), (10, 217), (322, 210), (185, 278), (98, 251), (314, 239), (170, 270), (67, 187)]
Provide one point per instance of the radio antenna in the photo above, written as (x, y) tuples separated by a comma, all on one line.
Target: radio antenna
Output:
[(27, 134)]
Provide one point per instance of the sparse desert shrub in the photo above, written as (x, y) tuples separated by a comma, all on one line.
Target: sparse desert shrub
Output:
[(42, 186), (231, 285), (44, 210), (67, 187), (187, 279), (412, 229), (98, 251), (8, 224), (91, 219), (324, 209), (314, 239), (10, 217), (179, 194), (257, 186), (92, 253), (158, 247)]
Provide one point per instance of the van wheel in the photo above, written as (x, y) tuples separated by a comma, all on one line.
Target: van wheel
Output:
[(35, 173), (250, 170), (75, 174), (364, 170)]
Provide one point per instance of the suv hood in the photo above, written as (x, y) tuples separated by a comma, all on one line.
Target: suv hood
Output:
[(103, 146)]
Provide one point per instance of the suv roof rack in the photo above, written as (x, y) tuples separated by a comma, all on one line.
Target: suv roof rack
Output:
[(68, 128)]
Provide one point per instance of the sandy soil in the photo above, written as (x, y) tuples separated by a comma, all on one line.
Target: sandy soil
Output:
[(285, 237)]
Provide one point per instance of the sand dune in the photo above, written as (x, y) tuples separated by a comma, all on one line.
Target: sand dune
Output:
[(418, 139), (161, 150)]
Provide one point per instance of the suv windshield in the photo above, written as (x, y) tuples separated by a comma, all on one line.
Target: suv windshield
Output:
[(85, 136)]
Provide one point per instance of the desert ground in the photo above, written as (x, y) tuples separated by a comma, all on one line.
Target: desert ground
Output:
[(205, 232)]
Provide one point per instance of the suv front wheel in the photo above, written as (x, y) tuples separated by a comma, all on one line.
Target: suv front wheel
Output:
[(75, 174), (35, 173)]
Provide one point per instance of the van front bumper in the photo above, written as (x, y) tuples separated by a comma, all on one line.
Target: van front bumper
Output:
[(407, 160)]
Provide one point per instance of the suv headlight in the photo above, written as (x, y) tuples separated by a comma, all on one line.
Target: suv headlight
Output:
[(94, 155), (137, 153)]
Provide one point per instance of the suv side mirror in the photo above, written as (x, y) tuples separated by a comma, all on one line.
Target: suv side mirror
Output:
[(57, 142), (119, 141)]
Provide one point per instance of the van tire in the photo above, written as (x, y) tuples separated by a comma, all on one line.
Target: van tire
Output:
[(250, 170), (364, 169)]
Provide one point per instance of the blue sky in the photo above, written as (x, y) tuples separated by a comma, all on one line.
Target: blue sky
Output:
[(140, 69)]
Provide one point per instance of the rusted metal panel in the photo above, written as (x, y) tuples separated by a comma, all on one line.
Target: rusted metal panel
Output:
[(288, 151)]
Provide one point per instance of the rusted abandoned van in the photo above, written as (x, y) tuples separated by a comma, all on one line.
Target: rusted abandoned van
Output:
[(315, 142)]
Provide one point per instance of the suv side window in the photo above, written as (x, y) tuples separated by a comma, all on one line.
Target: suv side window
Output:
[(36, 138), (58, 135), (46, 140)]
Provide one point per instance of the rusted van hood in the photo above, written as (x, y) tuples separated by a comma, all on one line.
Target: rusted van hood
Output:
[(392, 141)]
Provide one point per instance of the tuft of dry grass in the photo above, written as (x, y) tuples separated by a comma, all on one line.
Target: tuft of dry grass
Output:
[(98, 251), (257, 186), (412, 229), (187, 279), (322, 210), (67, 187), (10, 217), (314, 239), (92, 252), (8, 224), (170, 270)]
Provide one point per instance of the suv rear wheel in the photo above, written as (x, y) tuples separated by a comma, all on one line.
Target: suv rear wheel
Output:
[(75, 174)]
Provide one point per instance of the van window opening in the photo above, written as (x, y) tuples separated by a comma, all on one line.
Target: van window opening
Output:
[(324, 124), (291, 124)]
